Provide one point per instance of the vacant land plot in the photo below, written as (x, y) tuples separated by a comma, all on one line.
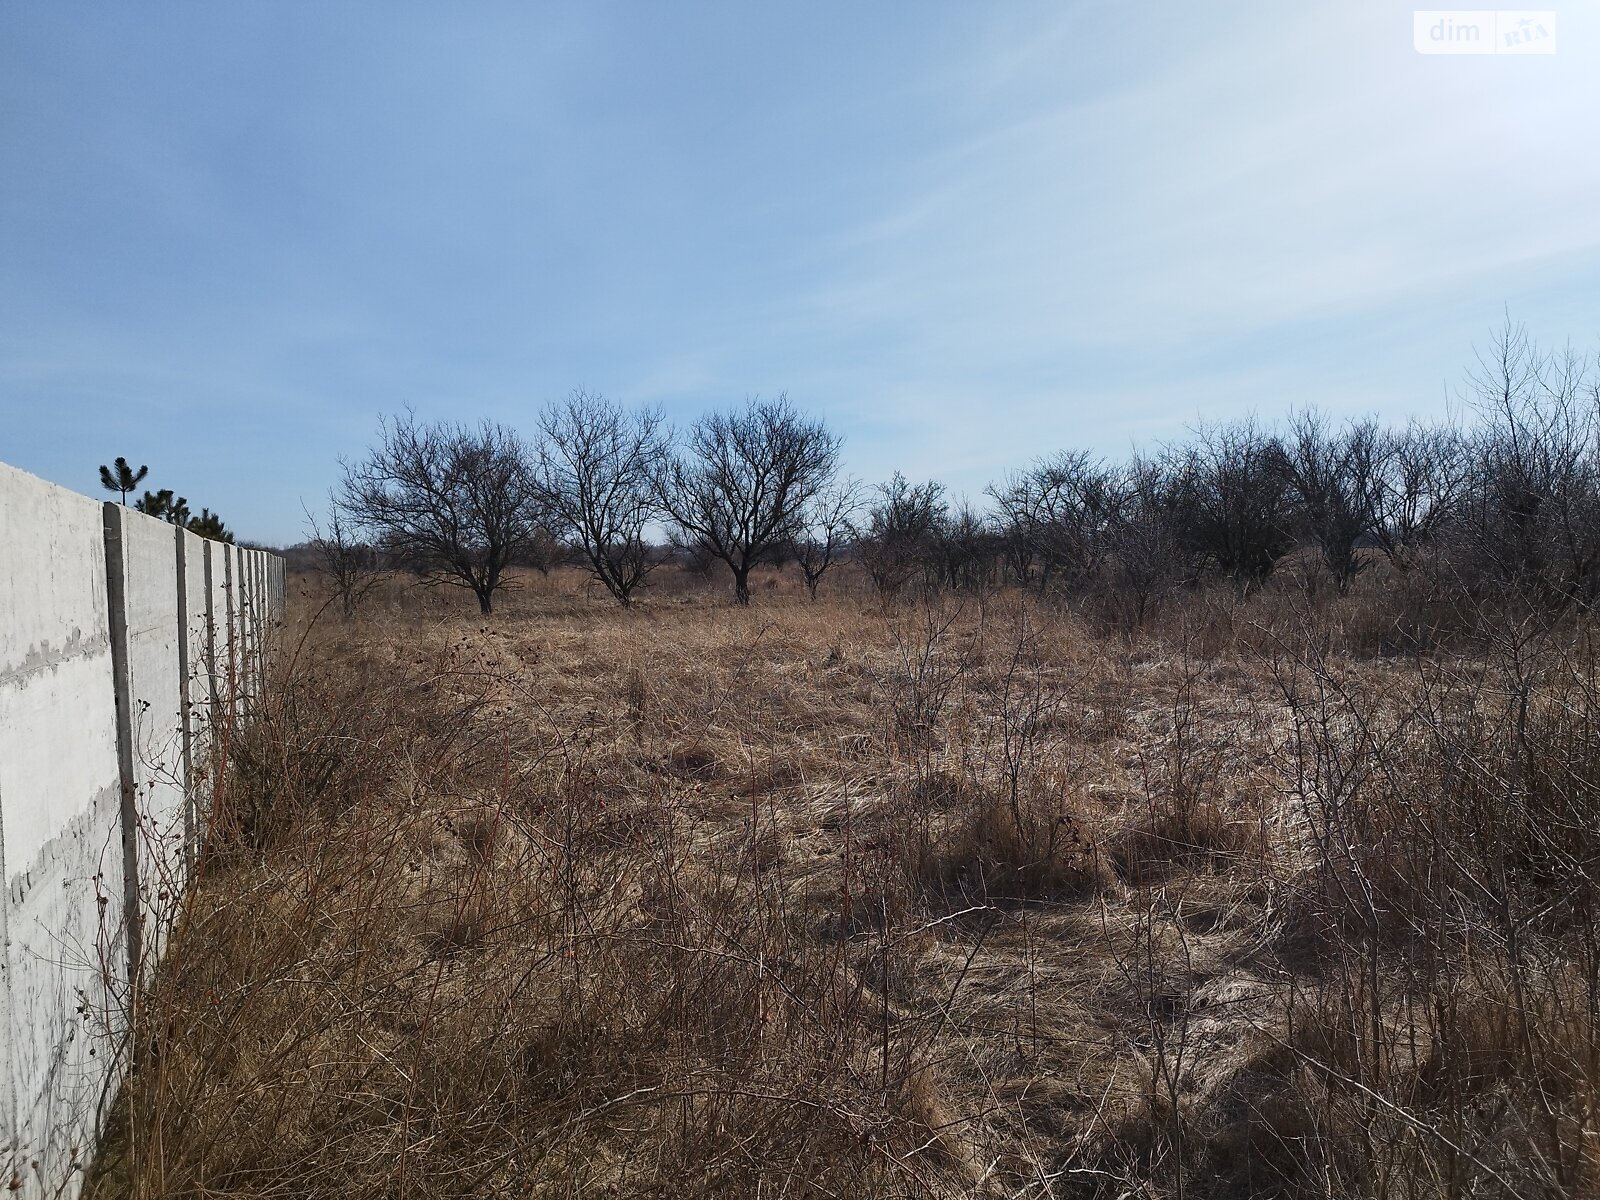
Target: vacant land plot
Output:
[(945, 897)]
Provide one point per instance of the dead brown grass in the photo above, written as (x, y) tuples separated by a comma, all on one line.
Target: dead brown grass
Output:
[(950, 898)]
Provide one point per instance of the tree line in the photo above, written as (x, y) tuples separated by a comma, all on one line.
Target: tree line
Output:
[(1508, 497), (464, 504)]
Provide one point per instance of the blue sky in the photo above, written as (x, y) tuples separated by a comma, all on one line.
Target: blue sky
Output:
[(232, 235)]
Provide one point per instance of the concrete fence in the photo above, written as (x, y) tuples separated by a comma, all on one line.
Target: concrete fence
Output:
[(129, 650)]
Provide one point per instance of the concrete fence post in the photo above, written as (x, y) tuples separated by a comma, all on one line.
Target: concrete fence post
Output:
[(215, 698), (230, 594), (180, 552), (122, 689)]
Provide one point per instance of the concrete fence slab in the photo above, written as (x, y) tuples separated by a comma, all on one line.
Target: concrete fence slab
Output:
[(194, 675), (142, 566)]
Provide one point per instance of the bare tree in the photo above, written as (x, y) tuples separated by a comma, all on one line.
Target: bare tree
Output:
[(1056, 516), (1145, 559), (901, 528), (352, 566), (742, 481), (1018, 512), (1421, 474), (544, 551), (1234, 508), (966, 551), (1332, 473), (456, 503), (1534, 512), (598, 468), (823, 527)]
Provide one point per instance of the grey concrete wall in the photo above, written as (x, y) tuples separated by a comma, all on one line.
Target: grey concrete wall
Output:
[(114, 635)]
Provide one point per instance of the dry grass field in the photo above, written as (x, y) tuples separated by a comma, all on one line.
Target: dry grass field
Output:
[(961, 896)]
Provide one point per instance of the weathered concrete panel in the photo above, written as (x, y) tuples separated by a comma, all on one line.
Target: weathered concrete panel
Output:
[(224, 573), (218, 636), (238, 602), (195, 678), (248, 628), (59, 828), (146, 551), (254, 622), (272, 591), (264, 622)]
